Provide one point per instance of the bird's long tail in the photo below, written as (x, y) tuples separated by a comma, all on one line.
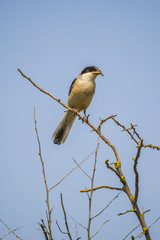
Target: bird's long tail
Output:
[(64, 127)]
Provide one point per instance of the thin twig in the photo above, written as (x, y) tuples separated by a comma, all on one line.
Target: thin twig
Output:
[(151, 146), (100, 187), (134, 131), (132, 231), (81, 169), (99, 229), (107, 206), (65, 218), (154, 222), (125, 129), (91, 193), (60, 228), (105, 119), (12, 231), (72, 171), (79, 223), (45, 181), (127, 211)]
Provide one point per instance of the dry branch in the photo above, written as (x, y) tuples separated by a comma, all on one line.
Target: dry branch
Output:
[(99, 229), (45, 181), (72, 170), (91, 193), (101, 187), (10, 230), (136, 171), (106, 206), (65, 218), (9, 233)]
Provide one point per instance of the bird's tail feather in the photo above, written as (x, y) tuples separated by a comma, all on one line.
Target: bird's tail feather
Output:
[(64, 127)]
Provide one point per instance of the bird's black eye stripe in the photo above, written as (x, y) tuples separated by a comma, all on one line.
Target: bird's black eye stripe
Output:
[(89, 69)]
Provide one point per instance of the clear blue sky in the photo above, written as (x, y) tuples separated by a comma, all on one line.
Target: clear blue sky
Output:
[(51, 42)]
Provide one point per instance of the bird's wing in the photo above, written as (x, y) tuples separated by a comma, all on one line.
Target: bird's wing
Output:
[(72, 85)]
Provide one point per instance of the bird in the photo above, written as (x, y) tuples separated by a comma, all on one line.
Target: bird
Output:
[(80, 96)]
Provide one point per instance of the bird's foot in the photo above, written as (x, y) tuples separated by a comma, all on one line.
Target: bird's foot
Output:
[(85, 118)]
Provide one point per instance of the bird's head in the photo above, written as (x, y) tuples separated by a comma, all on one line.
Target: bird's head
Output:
[(92, 70)]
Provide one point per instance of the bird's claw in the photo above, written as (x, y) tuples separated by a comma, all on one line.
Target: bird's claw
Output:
[(85, 118)]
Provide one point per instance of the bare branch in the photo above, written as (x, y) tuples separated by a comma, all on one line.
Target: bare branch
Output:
[(125, 129), (107, 206), (11, 231), (100, 187), (65, 218), (133, 210), (135, 169), (72, 170), (128, 211), (99, 229), (45, 181), (132, 231), (151, 146), (154, 222), (81, 169), (79, 223), (132, 127), (104, 120), (60, 228), (91, 193), (134, 131)]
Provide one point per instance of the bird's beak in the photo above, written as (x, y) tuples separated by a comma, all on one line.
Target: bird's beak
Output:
[(99, 73)]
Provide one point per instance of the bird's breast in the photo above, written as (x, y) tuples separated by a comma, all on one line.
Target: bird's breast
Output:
[(81, 95)]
